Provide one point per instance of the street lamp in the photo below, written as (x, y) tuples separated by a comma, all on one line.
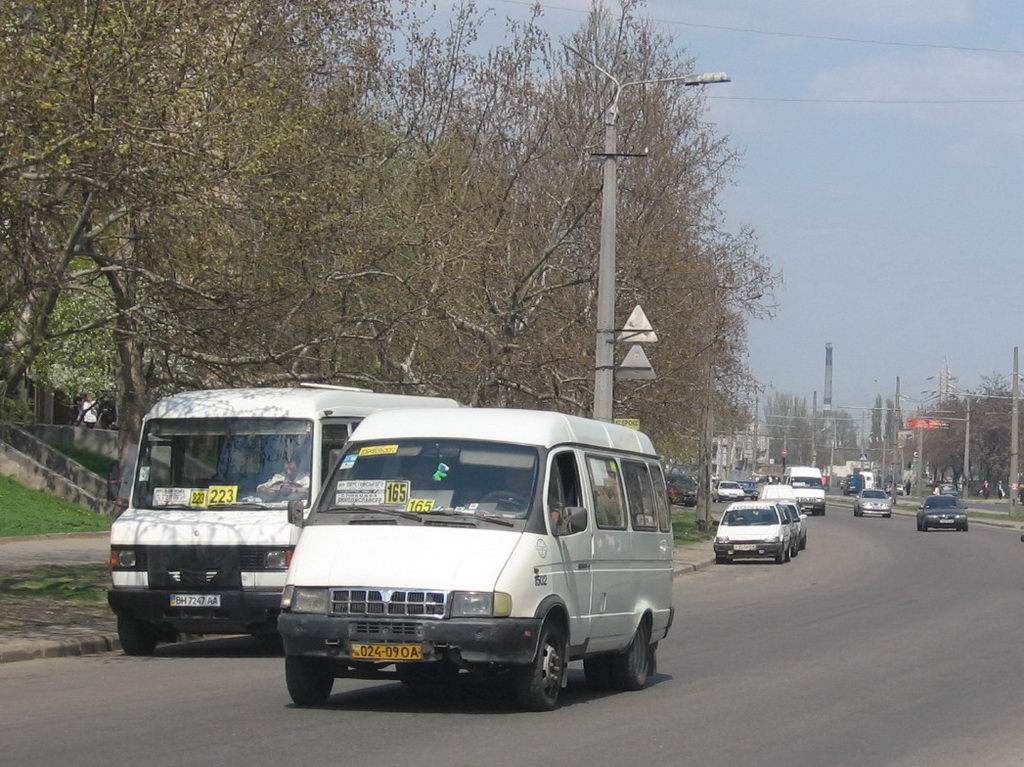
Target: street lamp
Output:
[(604, 369)]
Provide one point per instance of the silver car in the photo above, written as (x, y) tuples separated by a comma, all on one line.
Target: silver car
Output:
[(872, 503)]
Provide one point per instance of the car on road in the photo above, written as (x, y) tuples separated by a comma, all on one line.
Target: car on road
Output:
[(753, 530), (799, 523), (872, 503), (942, 511), (750, 489), (682, 489), (727, 490)]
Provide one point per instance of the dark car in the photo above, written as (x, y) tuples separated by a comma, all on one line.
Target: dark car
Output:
[(682, 490), (942, 511)]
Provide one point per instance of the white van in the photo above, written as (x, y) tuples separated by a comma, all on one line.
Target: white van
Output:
[(806, 481), (485, 541), (205, 542)]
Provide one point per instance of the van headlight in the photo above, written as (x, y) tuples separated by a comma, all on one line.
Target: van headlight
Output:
[(481, 604), (304, 599), (277, 559)]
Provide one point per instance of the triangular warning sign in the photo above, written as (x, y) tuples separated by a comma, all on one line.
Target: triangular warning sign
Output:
[(636, 365), (637, 329)]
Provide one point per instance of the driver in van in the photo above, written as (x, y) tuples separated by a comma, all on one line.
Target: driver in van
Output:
[(291, 481)]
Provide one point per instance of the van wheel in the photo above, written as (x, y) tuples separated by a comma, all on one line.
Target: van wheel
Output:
[(137, 637), (631, 669), (598, 672), (309, 683), (538, 685)]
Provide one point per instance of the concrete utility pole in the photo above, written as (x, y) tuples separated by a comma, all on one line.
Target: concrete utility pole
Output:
[(1015, 430), (604, 357)]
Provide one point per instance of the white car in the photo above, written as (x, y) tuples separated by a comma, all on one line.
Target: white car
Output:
[(753, 530), (799, 520), (726, 490)]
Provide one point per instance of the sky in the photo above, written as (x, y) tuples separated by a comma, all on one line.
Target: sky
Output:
[(882, 148)]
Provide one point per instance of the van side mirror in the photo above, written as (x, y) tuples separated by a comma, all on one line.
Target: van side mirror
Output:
[(574, 519), (296, 512)]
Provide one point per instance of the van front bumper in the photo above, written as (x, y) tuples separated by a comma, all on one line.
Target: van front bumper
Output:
[(506, 641), (239, 612)]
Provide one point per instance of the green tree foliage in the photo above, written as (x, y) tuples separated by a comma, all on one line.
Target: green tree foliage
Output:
[(223, 193)]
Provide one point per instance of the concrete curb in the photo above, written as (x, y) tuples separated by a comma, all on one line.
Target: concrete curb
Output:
[(63, 648)]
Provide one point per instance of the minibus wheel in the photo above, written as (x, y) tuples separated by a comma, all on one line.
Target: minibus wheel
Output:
[(538, 684), (631, 669), (309, 683), (136, 637)]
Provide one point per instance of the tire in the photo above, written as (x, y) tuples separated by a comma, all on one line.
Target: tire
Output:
[(137, 637), (597, 670), (963, 529), (720, 560), (309, 682), (631, 669), (780, 558), (538, 684)]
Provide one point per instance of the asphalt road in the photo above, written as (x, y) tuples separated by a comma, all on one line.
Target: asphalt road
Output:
[(878, 645)]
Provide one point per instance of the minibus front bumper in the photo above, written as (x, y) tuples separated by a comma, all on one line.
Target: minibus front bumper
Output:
[(504, 641), (238, 611)]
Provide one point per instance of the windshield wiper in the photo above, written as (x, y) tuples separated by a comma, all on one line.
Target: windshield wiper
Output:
[(374, 510), (493, 519)]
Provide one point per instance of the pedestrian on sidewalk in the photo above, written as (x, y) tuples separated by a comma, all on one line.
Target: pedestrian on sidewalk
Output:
[(88, 412)]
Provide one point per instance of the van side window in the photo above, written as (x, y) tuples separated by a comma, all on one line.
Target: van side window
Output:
[(563, 485), (640, 494), (609, 504), (661, 499), (334, 437)]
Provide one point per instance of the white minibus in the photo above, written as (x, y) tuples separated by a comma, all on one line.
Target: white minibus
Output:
[(493, 542), (205, 541)]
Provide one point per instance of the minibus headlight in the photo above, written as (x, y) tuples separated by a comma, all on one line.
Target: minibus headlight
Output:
[(277, 559), (303, 599), (479, 604), (123, 559)]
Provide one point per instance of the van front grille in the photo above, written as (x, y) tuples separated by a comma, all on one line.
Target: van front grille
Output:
[(388, 602)]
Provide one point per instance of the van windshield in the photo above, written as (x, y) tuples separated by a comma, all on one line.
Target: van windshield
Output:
[(806, 482), (425, 476), (200, 463)]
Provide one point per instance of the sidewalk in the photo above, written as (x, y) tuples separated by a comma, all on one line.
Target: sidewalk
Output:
[(41, 633), (93, 629)]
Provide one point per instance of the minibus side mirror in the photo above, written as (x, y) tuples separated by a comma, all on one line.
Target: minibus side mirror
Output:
[(296, 515), (574, 519)]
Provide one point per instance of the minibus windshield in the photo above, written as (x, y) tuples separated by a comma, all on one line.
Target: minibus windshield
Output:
[(241, 463), (434, 476)]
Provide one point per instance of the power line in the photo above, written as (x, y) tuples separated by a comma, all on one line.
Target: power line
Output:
[(783, 33), (868, 101)]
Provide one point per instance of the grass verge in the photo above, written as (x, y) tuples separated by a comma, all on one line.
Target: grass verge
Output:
[(95, 462), (684, 529), (31, 512), (86, 583)]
